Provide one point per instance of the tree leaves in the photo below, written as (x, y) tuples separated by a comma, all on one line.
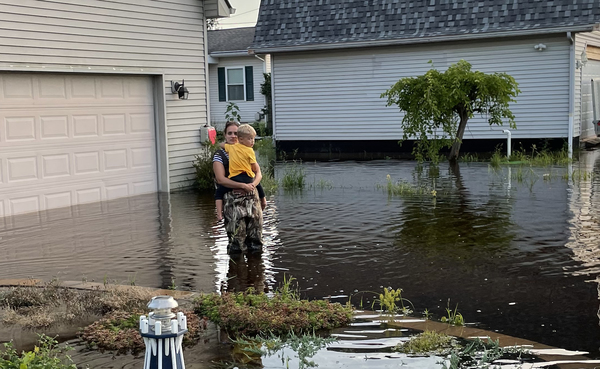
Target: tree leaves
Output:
[(435, 103)]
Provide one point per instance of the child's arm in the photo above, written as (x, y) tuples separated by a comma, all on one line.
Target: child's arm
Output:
[(258, 174), (219, 170)]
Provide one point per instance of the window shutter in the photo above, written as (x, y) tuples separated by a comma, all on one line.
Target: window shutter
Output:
[(249, 84), (222, 87)]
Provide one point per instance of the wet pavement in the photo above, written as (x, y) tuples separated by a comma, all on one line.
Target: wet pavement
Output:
[(517, 251)]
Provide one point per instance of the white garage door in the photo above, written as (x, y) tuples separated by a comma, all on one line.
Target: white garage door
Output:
[(73, 139)]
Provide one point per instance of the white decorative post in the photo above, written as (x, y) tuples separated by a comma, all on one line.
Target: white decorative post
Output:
[(163, 335)]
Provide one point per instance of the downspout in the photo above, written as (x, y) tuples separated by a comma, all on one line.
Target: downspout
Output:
[(206, 74), (273, 98), (571, 93), (264, 64)]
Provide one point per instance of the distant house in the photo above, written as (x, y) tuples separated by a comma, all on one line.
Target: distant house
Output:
[(86, 107), (332, 59), (235, 76)]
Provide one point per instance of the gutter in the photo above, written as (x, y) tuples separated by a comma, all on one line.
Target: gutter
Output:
[(571, 93), (420, 40), (225, 54)]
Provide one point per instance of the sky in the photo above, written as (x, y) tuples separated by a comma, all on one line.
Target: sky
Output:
[(246, 13)]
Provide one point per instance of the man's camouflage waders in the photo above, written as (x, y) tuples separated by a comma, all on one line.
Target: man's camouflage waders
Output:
[(243, 222)]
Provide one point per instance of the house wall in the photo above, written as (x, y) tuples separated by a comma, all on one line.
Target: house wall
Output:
[(118, 37), (335, 95), (248, 109), (583, 86)]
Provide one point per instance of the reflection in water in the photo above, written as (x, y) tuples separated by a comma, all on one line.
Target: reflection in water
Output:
[(516, 255)]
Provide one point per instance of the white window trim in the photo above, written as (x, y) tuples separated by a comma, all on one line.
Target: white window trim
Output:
[(227, 82)]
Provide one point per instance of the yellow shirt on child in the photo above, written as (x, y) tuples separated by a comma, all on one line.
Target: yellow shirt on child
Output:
[(241, 158)]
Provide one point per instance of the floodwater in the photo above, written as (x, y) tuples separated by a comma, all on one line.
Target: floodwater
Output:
[(517, 250)]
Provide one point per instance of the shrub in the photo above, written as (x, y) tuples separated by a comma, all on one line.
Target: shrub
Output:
[(250, 313), (203, 164), (118, 332), (45, 355)]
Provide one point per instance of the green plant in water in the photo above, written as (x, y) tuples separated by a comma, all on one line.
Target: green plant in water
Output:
[(454, 317), (294, 177), (321, 184), (428, 342), (405, 189), (391, 301), (45, 355), (479, 354)]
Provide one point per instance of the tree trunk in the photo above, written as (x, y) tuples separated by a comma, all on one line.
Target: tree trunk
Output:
[(459, 136)]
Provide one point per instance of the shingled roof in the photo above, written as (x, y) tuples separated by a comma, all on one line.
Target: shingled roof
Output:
[(314, 24), (230, 40)]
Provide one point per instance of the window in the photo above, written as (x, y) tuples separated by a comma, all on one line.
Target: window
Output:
[(235, 84)]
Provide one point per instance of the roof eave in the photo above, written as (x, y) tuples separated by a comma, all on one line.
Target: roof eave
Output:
[(421, 40)]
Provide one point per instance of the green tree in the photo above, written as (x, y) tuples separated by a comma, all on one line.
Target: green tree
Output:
[(438, 105)]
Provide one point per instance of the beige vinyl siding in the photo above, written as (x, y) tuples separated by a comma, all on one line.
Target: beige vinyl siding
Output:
[(157, 37), (583, 88), (335, 95), (248, 109)]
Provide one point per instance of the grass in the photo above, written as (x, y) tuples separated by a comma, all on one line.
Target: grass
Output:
[(453, 316), (536, 157), (405, 189), (250, 313), (294, 177)]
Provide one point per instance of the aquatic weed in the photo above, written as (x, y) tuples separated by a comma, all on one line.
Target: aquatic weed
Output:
[(454, 317), (428, 342)]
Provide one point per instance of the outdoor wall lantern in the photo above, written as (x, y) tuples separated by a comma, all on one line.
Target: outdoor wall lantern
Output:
[(180, 90), (583, 59)]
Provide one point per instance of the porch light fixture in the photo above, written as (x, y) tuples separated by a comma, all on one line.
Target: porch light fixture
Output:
[(180, 89), (540, 47)]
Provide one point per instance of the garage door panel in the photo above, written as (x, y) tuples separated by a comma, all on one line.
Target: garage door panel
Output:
[(96, 144)]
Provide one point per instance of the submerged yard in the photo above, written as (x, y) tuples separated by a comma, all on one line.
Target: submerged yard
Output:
[(513, 249)]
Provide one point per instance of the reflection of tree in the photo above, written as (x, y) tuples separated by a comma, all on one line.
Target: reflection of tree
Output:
[(453, 224)]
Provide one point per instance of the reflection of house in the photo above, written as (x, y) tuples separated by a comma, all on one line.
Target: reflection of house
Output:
[(86, 109), (332, 60), (235, 76)]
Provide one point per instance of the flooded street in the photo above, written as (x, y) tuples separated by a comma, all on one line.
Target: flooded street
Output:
[(517, 249)]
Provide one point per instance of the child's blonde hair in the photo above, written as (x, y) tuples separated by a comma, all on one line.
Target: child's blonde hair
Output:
[(246, 130)]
